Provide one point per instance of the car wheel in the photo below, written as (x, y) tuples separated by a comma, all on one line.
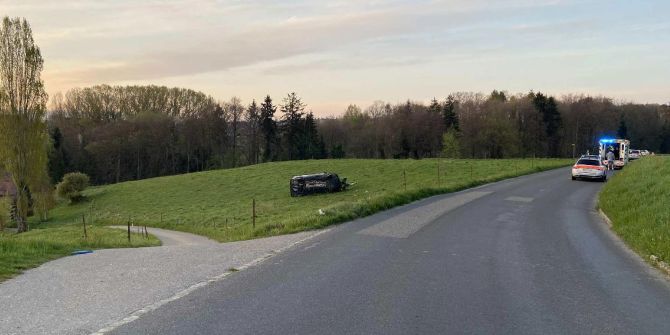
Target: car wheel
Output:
[(574, 178)]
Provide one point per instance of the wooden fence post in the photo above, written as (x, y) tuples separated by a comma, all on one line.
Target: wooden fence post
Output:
[(404, 180), (438, 173), (128, 230), (83, 221), (253, 213)]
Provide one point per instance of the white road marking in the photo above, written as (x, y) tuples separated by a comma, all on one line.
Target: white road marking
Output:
[(408, 223), (139, 313)]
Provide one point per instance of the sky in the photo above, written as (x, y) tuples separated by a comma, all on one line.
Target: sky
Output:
[(341, 52)]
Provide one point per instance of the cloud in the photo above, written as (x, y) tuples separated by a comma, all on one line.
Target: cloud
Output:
[(342, 64), (188, 47), (260, 43)]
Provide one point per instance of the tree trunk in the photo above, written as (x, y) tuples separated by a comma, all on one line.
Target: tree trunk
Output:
[(118, 167), (22, 209), (235, 120), (188, 157), (138, 163)]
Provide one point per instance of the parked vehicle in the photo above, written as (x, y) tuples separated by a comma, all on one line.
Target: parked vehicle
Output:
[(644, 152), (634, 154), (590, 156), (588, 167), (619, 147)]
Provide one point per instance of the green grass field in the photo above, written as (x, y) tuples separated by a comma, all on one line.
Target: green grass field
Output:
[(218, 204), (19, 252), (637, 201)]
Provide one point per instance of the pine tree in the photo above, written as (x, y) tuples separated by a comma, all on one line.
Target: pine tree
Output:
[(292, 118), (498, 95), (449, 114), (622, 132), (269, 130), (337, 152), (57, 160), (434, 106), (322, 153), (551, 118), (310, 137), (253, 119)]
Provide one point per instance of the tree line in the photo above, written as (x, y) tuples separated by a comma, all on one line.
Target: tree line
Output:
[(495, 125), (119, 133)]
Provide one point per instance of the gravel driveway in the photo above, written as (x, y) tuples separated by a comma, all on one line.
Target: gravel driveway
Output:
[(86, 293)]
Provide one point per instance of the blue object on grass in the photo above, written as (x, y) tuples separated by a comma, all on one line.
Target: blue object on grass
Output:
[(82, 252)]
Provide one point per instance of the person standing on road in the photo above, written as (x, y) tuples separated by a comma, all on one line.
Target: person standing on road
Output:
[(610, 160)]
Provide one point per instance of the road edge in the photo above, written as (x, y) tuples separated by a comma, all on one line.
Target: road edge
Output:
[(192, 288), (654, 260)]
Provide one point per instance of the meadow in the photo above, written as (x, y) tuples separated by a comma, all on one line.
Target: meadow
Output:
[(218, 204), (637, 201)]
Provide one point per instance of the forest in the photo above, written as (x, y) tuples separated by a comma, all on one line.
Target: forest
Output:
[(120, 133)]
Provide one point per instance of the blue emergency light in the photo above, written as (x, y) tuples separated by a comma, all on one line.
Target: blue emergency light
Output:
[(607, 140)]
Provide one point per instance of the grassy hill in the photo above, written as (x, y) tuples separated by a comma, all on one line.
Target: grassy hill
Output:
[(218, 204), (637, 200)]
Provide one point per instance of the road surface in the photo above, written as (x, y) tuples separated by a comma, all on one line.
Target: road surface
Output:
[(528, 255), (79, 295)]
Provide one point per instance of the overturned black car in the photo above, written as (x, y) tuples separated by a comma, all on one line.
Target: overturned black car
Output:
[(317, 183)]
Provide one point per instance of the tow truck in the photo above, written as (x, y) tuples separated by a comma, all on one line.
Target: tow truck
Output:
[(620, 148)]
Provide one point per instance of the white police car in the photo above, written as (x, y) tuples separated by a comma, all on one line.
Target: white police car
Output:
[(589, 167)]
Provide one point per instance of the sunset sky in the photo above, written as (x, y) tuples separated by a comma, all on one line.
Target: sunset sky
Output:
[(333, 53)]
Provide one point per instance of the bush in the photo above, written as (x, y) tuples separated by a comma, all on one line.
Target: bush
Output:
[(72, 186), (43, 201), (450, 145)]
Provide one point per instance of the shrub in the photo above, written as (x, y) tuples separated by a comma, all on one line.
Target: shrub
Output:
[(450, 145), (43, 201), (72, 186)]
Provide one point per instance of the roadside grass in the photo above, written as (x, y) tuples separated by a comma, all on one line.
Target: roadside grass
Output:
[(218, 204), (19, 252), (637, 201)]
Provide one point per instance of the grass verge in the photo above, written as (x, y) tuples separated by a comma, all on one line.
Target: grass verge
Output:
[(637, 201), (19, 252), (218, 204)]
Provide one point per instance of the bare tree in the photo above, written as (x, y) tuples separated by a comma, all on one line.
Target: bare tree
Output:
[(235, 110)]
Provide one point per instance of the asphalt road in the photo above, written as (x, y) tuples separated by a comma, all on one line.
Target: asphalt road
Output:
[(525, 256)]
